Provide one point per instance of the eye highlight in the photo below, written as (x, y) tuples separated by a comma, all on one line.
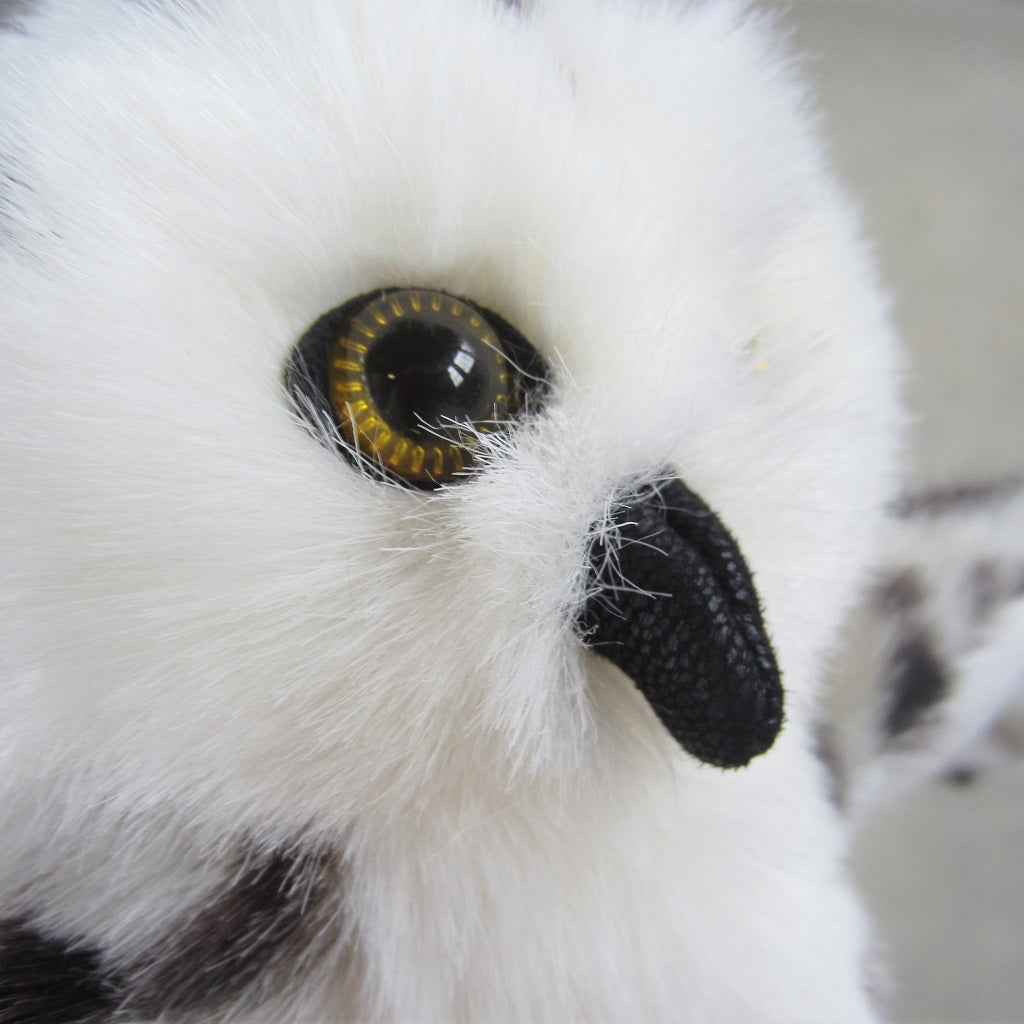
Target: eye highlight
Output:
[(413, 379)]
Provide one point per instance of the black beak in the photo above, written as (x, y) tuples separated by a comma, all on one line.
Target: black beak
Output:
[(674, 607)]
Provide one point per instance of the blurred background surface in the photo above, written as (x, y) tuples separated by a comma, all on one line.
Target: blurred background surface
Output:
[(923, 102)]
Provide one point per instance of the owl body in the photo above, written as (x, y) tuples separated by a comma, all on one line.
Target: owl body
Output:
[(285, 739)]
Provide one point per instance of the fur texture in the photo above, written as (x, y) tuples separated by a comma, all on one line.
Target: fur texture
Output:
[(239, 673)]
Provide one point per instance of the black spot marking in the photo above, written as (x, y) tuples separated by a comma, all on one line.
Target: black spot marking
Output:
[(898, 593), (47, 981), (917, 683), (269, 914), (675, 608), (968, 497)]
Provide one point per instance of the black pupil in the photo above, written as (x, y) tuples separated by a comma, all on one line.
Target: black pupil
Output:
[(424, 376)]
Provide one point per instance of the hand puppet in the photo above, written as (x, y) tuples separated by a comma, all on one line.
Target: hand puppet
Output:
[(440, 442)]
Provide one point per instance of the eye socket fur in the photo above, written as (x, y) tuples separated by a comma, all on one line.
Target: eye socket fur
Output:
[(413, 378)]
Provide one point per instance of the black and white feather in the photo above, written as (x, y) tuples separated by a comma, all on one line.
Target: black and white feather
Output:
[(931, 674)]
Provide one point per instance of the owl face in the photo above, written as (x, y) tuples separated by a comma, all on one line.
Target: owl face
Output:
[(238, 597), (231, 585)]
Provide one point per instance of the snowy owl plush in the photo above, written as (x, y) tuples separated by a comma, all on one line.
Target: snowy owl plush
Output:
[(440, 442)]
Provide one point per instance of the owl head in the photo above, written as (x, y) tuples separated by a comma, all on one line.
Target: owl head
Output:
[(434, 433)]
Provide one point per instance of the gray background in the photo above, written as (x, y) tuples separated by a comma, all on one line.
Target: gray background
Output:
[(924, 103)]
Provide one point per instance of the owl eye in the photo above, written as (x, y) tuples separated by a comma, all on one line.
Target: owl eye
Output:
[(413, 379)]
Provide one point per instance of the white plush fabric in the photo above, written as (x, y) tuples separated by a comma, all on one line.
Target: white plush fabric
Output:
[(218, 632)]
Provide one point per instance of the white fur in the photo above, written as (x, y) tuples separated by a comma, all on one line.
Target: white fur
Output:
[(216, 628)]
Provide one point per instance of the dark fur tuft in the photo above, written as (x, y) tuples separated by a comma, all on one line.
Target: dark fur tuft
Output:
[(267, 914), (918, 682), (46, 981), (939, 501)]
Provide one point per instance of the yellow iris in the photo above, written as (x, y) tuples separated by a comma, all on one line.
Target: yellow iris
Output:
[(413, 378)]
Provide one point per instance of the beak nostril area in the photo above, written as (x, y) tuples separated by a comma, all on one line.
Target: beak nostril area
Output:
[(673, 605)]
